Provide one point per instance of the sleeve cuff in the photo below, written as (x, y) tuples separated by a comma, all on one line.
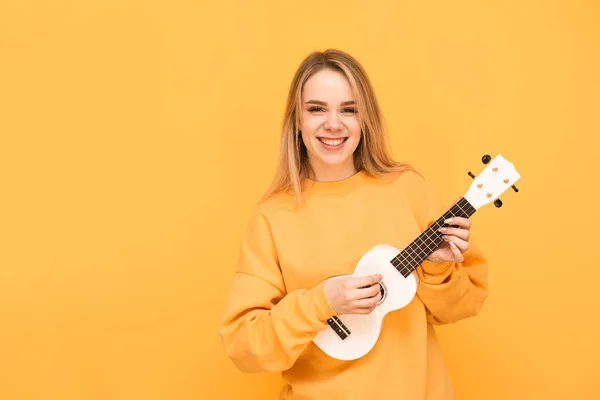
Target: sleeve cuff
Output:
[(320, 306), (436, 273)]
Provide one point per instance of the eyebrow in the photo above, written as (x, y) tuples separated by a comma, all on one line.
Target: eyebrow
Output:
[(322, 103)]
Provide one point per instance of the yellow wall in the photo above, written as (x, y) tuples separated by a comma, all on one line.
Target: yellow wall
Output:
[(136, 135)]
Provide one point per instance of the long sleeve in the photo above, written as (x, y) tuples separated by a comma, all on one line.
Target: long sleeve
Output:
[(263, 328), (450, 291), (453, 291)]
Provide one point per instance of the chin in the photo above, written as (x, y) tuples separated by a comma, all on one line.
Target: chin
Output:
[(336, 162)]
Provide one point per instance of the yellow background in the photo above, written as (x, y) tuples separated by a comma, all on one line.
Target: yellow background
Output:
[(136, 136)]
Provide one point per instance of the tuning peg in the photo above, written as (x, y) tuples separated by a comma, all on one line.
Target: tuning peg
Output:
[(486, 158), (498, 203)]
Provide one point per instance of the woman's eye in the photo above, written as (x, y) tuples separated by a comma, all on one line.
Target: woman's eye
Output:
[(348, 110)]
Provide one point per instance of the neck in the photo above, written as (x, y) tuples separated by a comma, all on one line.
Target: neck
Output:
[(332, 173), (427, 242)]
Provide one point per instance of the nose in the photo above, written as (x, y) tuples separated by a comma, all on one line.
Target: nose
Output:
[(333, 122)]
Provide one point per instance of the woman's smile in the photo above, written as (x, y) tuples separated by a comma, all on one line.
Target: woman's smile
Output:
[(333, 144)]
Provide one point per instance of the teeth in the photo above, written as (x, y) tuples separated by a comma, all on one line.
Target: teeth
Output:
[(332, 142)]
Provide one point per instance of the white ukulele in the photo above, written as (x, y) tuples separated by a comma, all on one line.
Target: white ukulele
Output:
[(351, 336)]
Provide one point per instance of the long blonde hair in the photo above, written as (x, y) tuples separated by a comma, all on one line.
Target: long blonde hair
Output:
[(372, 154)]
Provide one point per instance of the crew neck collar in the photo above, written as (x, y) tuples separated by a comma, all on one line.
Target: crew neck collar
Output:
[(340, 186)]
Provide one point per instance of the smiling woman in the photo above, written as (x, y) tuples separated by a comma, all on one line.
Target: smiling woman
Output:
[(331, 97), (336, 193)]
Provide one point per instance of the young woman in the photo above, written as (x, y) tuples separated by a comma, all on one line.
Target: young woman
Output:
[(336, 193)]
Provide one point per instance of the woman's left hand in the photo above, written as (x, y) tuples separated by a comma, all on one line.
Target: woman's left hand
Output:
[(456, 241)]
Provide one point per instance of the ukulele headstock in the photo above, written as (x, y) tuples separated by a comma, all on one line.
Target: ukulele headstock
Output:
[(499, 176)]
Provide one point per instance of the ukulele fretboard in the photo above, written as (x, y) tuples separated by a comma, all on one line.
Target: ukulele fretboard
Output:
[(429, 240)]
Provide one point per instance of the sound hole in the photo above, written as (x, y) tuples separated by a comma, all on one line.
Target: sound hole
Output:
[(383, 291)]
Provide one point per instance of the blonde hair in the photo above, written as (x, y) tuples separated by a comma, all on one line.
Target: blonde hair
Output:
[(372, 154)]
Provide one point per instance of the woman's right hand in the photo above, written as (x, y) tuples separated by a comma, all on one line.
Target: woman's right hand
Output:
[(353, 295)]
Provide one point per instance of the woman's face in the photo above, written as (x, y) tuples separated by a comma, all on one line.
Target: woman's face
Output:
[(330, 125)]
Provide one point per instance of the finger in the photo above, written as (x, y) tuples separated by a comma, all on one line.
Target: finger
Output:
[(367, 303), (369, 309), (461, 245), (456, 251), (373, 291), (364, 311), (373, 294), (365, 292), (459, 233), (461, 222), (365, 281), (376, 293)]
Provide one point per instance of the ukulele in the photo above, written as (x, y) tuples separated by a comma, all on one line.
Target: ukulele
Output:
[(351, 336)]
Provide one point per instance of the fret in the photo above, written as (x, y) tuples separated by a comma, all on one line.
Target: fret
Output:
[(429, 240)]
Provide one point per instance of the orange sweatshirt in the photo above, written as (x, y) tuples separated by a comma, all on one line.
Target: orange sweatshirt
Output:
[(277, 305)]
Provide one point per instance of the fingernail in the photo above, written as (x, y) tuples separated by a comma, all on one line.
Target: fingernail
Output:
[(442, 230), (448, 220)]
